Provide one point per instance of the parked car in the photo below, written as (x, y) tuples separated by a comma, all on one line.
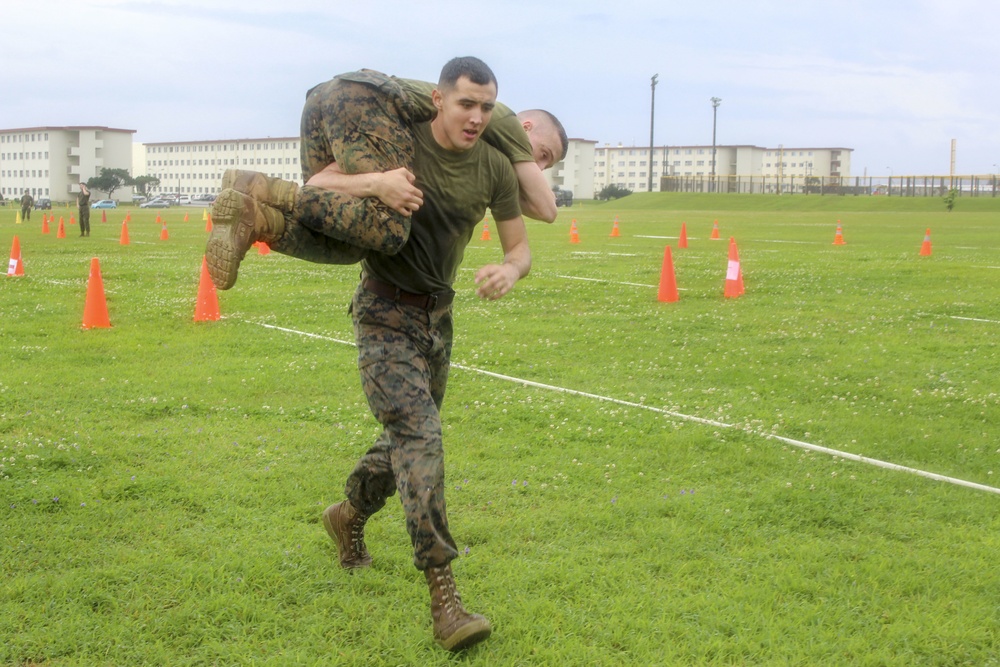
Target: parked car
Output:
[(105, 203), (184, 199), (138, 199), (203, 198), (156, 203), (564, 198), (43, 204)]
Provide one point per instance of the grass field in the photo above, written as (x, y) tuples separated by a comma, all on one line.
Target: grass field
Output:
[(162, 480)]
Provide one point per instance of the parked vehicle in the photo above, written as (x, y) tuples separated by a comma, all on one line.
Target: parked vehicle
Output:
[(156, 203), (105, 203), (184, 199), (564, 198), (43, 204)]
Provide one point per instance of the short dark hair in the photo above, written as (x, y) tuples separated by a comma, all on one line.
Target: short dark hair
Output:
[(556, 125), (472, 68)]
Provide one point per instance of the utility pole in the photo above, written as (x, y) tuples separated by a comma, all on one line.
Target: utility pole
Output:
[(716, 101), (652, 108)]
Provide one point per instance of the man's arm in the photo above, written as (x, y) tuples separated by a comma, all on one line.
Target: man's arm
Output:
[(537, 198), (496, 280), (394, 188)]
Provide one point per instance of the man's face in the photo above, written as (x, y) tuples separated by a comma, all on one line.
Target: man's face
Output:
[(463, 113), (544, 147)]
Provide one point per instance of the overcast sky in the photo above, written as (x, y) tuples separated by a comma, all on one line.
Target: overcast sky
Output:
[(895, 80)]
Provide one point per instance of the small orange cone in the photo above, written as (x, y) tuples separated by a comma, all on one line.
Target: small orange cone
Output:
[(208, 222), (124, 237), (486, 231), (207, 307), (159, 220), (668, 281), (262, 248), (128, 216), (95, 311), (15, 267), (734, 273), (45, 224), (72, 219), (615, 232), (104, 216), (838, 238), (164, 236), (61, 232), (185, 216), (925, 249), (715, 230), (682, 242), (574, 234)]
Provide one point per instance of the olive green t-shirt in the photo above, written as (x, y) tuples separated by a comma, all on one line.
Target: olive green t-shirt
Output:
[(457, 189), (504, 132)]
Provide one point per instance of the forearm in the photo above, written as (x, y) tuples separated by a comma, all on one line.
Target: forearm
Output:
[(536, 197), (355, 185), (518, 258)]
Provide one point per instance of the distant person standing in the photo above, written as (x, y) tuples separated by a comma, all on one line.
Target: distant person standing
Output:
[(27, 201), (83, 201)]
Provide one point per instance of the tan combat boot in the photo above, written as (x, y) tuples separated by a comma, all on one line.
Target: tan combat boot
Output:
[(454, 628), (346, 526), (238, 221), (274, 192)]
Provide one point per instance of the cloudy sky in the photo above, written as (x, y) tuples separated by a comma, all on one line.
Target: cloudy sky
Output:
[(895, 80)]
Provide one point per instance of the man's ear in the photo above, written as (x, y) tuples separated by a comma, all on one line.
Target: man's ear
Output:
[(438, 99), (527, 125)]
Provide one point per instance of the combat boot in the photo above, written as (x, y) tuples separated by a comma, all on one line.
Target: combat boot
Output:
[(238, 221), (454, 628), (273, 192), (346, 526)]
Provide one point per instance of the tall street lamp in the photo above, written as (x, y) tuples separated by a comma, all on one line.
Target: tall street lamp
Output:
[(716, 101), (652, 107)]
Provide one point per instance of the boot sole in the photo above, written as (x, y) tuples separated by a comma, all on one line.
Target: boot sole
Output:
[(223, 251), (332, 532), (469, 634)]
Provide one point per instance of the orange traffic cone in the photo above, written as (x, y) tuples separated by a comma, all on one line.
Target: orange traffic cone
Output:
[(925, 249), (574, 234), (72, 219), (61, 232), (95, 311), (614, 230), (262, 248), (104, 216), (185, 216), (486, 231), (682, 242), (164, 236), (15, 267), (208, 222), (128, 216), (45, 224), (668, 281), (715, 230), (124, 237), (838, 238), (159, 220), (734, 273), (207, 307)]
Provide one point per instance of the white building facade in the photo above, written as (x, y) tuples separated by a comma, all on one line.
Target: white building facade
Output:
[(52, 161), (196, 167)]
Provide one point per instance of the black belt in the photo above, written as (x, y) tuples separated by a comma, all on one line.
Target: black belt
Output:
[(393, 293)]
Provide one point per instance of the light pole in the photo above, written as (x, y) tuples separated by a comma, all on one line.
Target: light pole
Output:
[(716, 101), (652, 107)]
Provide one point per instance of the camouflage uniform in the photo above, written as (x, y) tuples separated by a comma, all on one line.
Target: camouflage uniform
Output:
[(83, 202), (404, 354), (361, 121), (27, 201)]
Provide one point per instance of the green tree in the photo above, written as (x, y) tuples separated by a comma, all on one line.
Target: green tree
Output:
[(145, 184), (949, 199), (613, 191), (110, 180)]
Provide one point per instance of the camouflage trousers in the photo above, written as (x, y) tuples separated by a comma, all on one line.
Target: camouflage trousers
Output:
[(84, 219), (404, 354), (25, 213), (361, 122)]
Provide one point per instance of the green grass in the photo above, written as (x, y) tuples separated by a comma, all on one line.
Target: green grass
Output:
[(162, 480)]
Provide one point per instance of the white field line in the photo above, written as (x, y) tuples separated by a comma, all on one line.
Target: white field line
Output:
[(679, 415), (602, 280), (974, 319)]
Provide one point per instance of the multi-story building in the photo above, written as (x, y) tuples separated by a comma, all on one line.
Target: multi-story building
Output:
[(53, 161), (630, 166), (196, 167)]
